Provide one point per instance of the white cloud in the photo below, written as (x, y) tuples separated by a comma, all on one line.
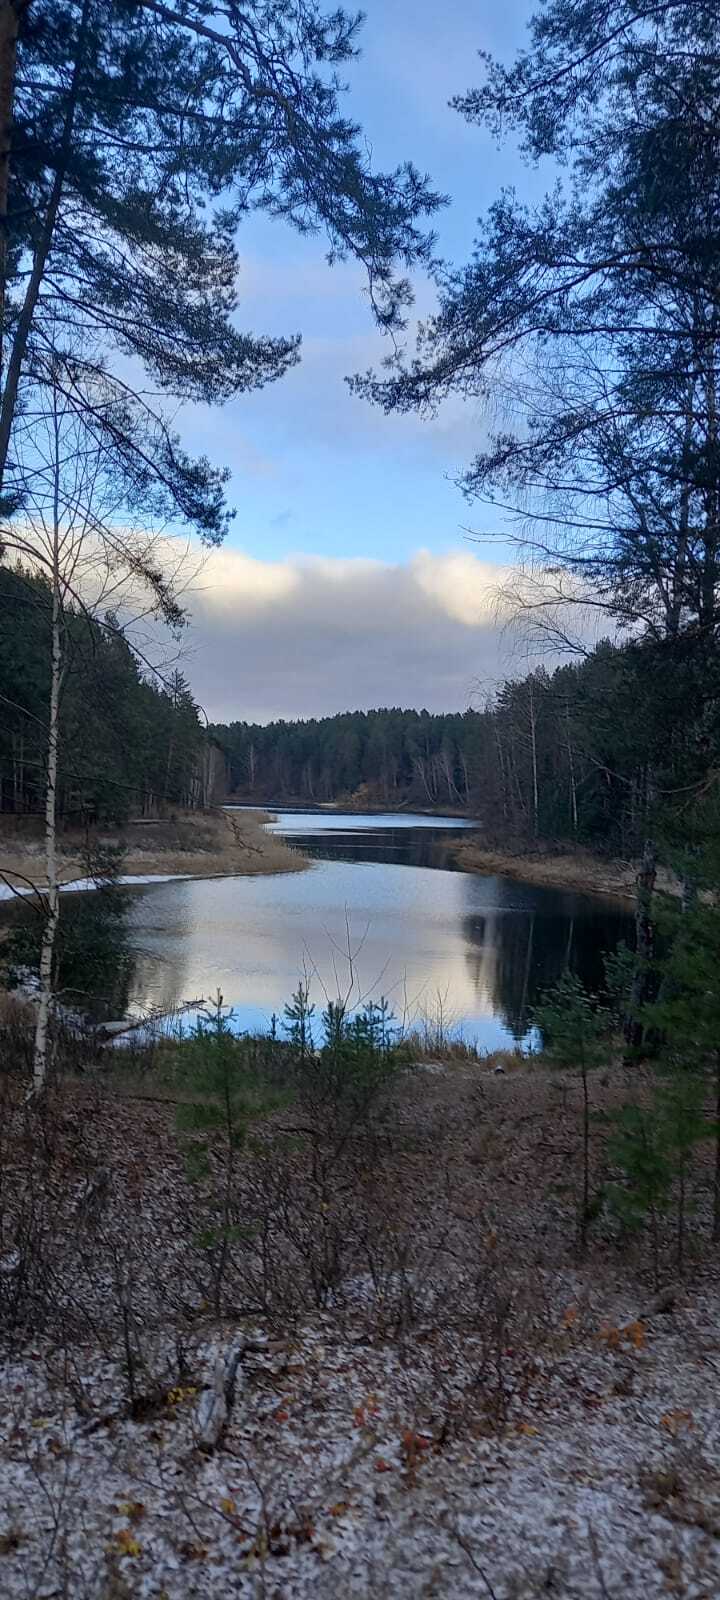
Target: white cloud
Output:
[(238, 584), (464, 586), (312, 635)]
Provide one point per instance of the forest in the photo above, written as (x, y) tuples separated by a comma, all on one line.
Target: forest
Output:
[(596, 752), (315, 1290), (130, 744)]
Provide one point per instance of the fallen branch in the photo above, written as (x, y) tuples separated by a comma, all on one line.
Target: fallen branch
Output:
[(216, 1402)]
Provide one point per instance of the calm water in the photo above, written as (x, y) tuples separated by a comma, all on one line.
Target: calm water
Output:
[(380, 911)]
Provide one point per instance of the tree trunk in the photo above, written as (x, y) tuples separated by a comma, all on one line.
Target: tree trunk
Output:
[(716, 1195), (47, 949), (9, 26), (43, 244), (533, 748), (586, 1160), (644, 948), (571, 767)]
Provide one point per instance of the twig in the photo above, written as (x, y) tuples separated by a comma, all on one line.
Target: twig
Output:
[(592, 1541), (474, 1564)]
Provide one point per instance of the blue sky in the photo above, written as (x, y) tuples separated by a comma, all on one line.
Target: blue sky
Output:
[(317, 474)]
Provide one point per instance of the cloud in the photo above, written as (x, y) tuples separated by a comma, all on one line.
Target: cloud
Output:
[(312, 635), (465, 587)]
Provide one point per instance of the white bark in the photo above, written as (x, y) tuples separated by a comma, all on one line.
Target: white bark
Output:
[(40, 1051), (216, 1401), (533, 747), (47, 948)]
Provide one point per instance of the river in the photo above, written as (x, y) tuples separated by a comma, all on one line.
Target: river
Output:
[(379, 912)]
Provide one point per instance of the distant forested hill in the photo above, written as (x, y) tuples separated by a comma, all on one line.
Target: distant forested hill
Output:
[(595, 752), (387, 756)]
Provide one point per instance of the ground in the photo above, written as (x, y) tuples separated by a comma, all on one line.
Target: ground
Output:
[(577, 869), (472, 1408), (196, 843)]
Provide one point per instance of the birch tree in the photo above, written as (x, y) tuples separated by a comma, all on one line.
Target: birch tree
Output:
[(94, 563)]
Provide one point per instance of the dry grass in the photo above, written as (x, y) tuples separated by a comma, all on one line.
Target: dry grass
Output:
[(200, 844), (561, 870)]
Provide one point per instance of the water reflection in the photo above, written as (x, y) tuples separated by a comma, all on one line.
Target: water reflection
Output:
[(380, 909), (516, 953), (383, 911)]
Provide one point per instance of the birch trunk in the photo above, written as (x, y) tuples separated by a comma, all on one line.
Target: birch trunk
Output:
[(533, 747), (47, 949)]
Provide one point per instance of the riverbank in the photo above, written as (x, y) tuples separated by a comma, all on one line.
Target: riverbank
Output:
[(193, 843), (359, 806), (579, 869), (414, 1379)]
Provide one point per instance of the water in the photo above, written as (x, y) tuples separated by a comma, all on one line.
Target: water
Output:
[(380, 911)]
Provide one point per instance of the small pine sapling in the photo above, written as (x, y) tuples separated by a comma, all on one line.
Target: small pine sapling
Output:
[(298, 1014), (226, 1098), (639, 1148), (573, 1033), (687, 1013), (681, 1108), (619, 969)]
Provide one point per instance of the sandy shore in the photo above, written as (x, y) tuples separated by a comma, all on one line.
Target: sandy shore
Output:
[(564, 870), (199, 844)]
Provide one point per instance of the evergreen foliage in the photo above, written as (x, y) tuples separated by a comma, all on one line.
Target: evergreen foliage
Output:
[(573, 1031), (141, 135), (222, 1097), (687, 1012), (596, 315), (129, 745), (594, 753), (92, 961)]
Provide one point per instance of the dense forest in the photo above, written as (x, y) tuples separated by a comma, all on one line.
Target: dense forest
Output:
[(595, 752), (129, 744)]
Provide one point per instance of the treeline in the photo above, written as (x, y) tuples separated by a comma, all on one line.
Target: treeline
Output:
[(598, 752), (128, 746), (603, 752), (389, 757)]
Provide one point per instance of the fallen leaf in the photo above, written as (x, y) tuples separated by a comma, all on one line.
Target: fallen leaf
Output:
[(126, 1542), (134, 1510), (674, 1421)]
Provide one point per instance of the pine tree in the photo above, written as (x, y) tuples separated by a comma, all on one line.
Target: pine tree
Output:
[(597, 315), (137, 137), (573, 1032), (687, 1012)]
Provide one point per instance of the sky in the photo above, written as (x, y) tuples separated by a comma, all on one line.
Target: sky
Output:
[(349, 579)]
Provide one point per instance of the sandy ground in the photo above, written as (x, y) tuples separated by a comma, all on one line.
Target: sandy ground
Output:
[(197, 844), (577, 870), (559, 1437)]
